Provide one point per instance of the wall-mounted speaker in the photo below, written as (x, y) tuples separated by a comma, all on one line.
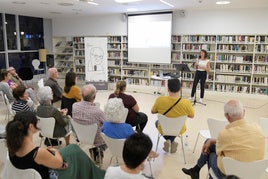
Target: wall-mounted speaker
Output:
[(182, 13), (124, 17), (50, 60)]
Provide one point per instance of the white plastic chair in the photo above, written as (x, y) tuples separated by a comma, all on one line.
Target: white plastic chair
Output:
[(10, 112), (11, 172), (115, 146), (171, 127), (46, 125), (86, 134), (214, 127), (245, 170)]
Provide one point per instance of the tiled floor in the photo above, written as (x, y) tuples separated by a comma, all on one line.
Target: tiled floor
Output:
[(169, 165)]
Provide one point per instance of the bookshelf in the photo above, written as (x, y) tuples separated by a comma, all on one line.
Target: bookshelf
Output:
[(63, 52), (239, 63), (79, 57)]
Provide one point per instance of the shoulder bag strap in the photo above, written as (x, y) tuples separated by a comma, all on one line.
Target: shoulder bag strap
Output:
[(172, 106)]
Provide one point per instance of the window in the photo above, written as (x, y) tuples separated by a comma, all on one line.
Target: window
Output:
[(31, 33), (11, 32)]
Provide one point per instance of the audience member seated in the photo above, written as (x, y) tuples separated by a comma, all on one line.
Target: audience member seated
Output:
[(240, 140), (45, 109), (172, 106), (71, 93), (16, 80), (22, 101), (134, 117), (4, 87), (115, 126), (136, 149), (69, 162), (53, 84), (86, 112)]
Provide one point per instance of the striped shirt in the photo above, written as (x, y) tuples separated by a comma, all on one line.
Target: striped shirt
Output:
[(21, 105)]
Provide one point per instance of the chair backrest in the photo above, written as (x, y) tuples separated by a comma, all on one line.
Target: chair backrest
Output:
[(215, 126), (46, 125), (85, 133), (36, 64), (67, 103), (40, 83), (11, 172), (114, 145), (264, 125), (9, 107), (245, 170), (171, 126)]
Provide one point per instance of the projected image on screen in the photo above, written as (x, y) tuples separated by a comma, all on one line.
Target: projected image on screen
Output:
[(149, 38)]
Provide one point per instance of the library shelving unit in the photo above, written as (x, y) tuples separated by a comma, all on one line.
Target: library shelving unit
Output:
[(63, 52), (79, 57), (239, 63), (117, 54)]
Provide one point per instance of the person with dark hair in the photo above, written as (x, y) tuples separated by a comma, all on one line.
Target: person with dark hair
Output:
[(202, 67), (134, 117), (68, 163), (86, 112), (4, 86), (135, 151), (22, 102), (72, 93), (172, 106), (231, 177), (240, 139), (70, 88)]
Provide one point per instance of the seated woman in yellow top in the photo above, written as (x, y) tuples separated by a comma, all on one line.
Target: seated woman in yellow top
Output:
[(72, 92), (182, 108)]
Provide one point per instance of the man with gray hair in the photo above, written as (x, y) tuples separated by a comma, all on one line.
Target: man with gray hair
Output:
[(53, 84), (240, 140), (86, 112)]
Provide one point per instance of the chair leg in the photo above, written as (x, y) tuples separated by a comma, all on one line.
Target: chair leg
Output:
[(196, 141), (151, 171), (182, 146), (157, 142)]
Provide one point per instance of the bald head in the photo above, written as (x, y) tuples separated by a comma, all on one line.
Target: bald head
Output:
[(53, 73), (234, 110), (88, 93)]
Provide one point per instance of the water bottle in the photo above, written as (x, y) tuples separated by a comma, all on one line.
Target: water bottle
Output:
[(186, 142)]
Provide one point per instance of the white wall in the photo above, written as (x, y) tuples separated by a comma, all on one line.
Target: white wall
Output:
[(241, 21)]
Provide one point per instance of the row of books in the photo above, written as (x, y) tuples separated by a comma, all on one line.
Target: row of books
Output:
[(232, 88), (198, 47), (199, 38), (136, 81), (233, 68), (78, 39), (234, 58), (260, 80), (80, 46), (234, 48), (80, 53), (235, 38), (232, 79)]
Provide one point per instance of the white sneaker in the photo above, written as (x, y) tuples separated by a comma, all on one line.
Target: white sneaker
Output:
[(201, 100)]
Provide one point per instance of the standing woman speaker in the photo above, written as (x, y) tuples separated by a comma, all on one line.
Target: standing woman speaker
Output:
[(202, 66)]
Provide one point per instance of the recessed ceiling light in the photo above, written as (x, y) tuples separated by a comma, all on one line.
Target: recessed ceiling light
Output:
[(18, 2), (65, 4), (126, 1), (93, 3), (167, 3), (45, 3), (223, 2)]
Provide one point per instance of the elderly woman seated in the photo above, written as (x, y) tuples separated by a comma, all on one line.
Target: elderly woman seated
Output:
[(45, 109), (22, 101), (115, 126)]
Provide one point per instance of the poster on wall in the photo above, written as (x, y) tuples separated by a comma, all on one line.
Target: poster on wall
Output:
[(96, 59)]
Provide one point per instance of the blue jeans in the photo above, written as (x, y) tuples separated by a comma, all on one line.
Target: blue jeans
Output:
[(211, 160), (167, 137)]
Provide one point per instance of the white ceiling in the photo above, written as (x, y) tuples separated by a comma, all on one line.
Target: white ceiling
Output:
[(52, 9)]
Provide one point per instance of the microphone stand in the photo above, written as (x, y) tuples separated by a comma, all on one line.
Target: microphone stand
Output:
[(195, 101)]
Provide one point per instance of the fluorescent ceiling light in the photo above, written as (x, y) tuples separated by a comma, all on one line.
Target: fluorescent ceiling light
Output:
[(223, 2), (93, 3), (126, 1), (166, 3)]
